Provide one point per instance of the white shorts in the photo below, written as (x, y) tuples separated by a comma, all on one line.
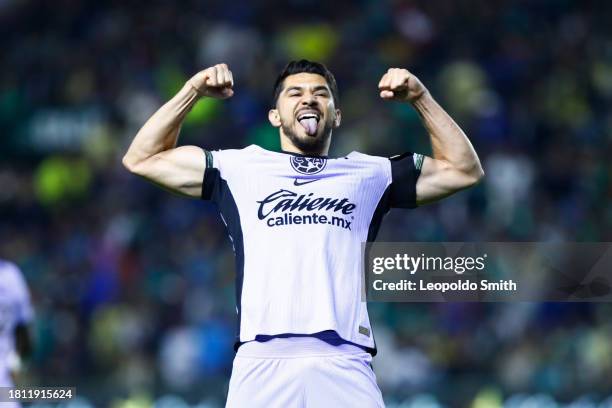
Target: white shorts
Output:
[(302, 376)]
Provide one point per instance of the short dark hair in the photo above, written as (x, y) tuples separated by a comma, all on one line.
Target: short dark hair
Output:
[(296, 67)]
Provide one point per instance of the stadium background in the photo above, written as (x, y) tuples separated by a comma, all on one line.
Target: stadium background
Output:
[(133, 287)]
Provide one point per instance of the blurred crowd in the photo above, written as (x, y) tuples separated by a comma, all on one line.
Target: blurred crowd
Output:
[(133, 287)]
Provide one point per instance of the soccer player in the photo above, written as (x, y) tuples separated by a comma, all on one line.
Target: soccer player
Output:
[(296, 219), (15, 315)]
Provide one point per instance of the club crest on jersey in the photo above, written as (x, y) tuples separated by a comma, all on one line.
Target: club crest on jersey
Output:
[(308, 165)]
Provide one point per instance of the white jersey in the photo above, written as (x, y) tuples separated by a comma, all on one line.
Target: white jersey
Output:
[(15, 308), (297, 224)]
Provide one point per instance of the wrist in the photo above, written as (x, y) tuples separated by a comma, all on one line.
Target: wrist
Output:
[(421, 100), (193, 89), (180, 105)]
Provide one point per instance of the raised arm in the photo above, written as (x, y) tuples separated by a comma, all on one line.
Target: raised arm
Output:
[(455, 164), (153, 153)]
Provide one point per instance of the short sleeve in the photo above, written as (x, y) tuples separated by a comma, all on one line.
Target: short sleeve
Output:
[(405, 171)]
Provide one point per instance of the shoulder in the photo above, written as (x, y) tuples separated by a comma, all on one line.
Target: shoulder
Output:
[(414, 159), (379, 165), (228, 161), (11, 274), (368, 159), (9, 268), (395, 168), (232, 154)]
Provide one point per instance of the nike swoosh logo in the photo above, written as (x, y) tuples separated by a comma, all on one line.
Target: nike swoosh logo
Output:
[(297, 183)]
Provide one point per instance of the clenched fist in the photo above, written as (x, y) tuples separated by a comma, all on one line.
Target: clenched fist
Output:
[(399, 84), (214, 82)]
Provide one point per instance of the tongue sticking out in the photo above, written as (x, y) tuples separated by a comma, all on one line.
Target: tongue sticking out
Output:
[(310, 125)]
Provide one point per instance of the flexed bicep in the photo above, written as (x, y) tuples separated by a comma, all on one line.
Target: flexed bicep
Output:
[(180, 170), (439, 179), (153, 153)]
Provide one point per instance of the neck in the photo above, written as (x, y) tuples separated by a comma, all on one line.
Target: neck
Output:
[(288, 146)]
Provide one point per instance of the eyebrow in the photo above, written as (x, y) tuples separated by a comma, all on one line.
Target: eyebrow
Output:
[(299, 88)]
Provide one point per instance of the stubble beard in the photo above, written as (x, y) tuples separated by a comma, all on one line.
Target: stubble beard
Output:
[(309, 144)]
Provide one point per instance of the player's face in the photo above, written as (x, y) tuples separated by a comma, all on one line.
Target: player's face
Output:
[(305, 112)]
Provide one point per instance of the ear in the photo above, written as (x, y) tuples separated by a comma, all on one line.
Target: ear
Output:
[(338, 118), (274, 117)]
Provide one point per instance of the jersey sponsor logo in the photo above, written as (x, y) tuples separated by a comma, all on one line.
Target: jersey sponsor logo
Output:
[(280, 208), (297, 182), (308, 165)]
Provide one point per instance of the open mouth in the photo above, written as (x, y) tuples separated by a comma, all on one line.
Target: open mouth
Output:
[(309, 121)]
